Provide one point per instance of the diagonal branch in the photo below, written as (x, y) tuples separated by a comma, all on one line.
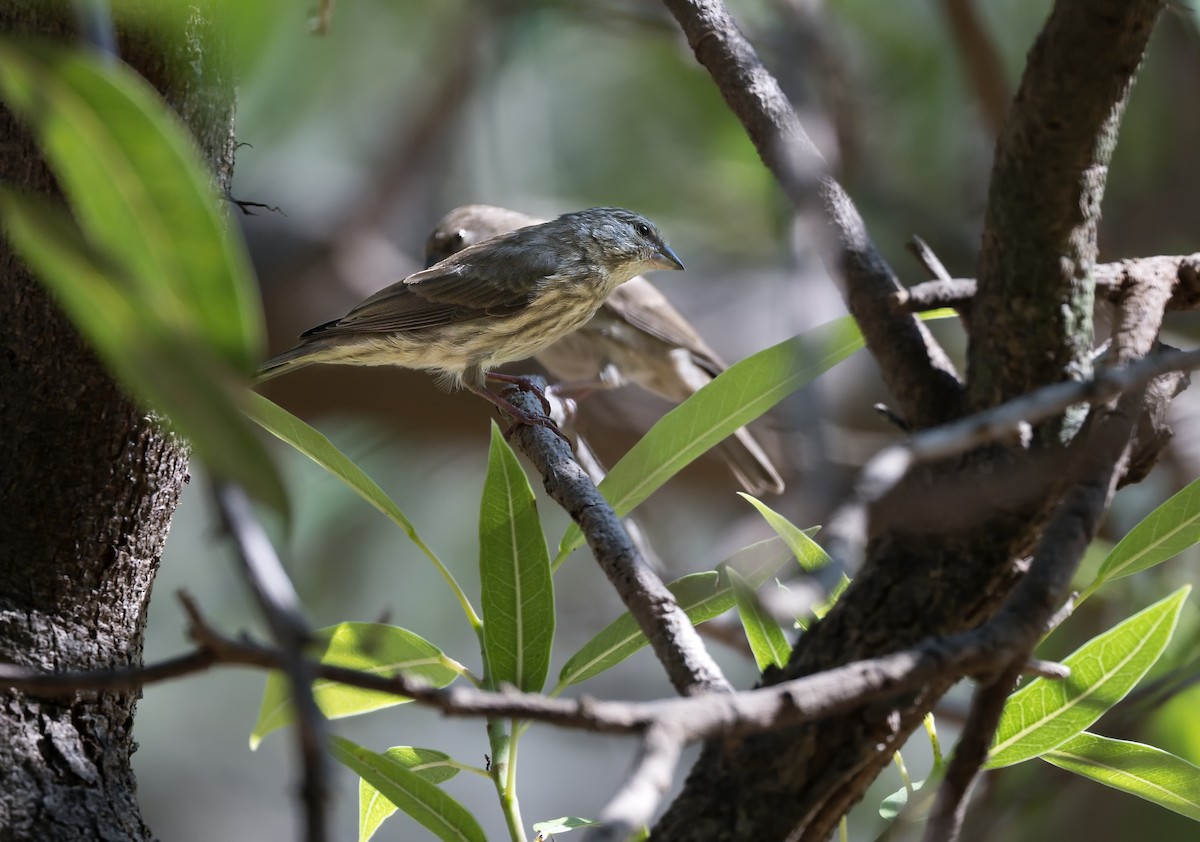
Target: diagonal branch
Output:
[(672, 636), (916, 369)]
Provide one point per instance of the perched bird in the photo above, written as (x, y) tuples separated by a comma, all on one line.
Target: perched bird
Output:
[(491, 303), (635, 337)]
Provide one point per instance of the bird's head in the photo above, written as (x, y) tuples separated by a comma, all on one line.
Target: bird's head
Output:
[(625, 242)]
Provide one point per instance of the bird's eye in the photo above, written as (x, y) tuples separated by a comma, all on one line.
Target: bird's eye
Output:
[(643, 229), (460, 237)]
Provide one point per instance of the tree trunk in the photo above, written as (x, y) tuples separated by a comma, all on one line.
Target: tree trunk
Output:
[(89, 480)]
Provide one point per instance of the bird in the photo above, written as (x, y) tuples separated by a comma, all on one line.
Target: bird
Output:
[(491, 303), (636, 336)]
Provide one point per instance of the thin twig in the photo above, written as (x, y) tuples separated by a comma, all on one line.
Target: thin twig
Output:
[(926, 257), (978, 52), (1110, 278), (280, 605), (949, 809), (846, 527)]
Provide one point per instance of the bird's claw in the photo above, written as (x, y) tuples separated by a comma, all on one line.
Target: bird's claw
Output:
[(532, 420)]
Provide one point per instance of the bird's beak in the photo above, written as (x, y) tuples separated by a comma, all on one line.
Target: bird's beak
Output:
[(666, 259)]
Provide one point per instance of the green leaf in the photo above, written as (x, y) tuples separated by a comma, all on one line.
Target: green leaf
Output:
[(313, 444), (425, 802), (1164, 533), (564, 825), (140, 192), (767, 641), (373, 808), (1145, 771), (894, 804), (1045, 714), (316, 446), (514, 573), (733, 399), (370, 647), (174, 373), (807, 551), (702, 596)]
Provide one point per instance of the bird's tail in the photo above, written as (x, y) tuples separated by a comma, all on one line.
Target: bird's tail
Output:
[(290, 360), (750, 464)]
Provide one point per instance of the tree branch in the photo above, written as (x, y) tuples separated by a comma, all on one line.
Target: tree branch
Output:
[(280, 605), (1048, 179), (672, 636), (1183, 273), (917, 371)]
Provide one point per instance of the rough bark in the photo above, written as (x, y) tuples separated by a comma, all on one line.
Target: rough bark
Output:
[(89, 483), (941, 574)]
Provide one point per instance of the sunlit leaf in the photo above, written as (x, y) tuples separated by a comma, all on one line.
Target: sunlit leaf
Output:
[(369, 647), (514, 574), (425, 802), (1164, 533), (1145, 771), (317, 447), (767, 641), (1045, 714), (373, 808), (807, 551), (563, 825), (733, 399)]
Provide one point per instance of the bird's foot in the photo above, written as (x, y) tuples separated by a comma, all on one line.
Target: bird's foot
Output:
[(522, 383), (532, 419)]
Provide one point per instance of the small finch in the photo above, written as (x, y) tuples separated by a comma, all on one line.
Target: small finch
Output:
[(491, 303), (636, 336)]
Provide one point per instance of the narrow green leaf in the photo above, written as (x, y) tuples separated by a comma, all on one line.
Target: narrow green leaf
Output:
[(767, 641), (807, 551), (140, 191), (1164, 533), (702, 596), (514, 573), (374, 809), (316, 446), (173, 373), (564, 825), (735, 398), (1145, 771), (370, 647), (313, 444), (425, 802), (1045, 714)]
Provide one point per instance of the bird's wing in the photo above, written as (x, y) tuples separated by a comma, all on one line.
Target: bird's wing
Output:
[(473, 284), (641, 304)]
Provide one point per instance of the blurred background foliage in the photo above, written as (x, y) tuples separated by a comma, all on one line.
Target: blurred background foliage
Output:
[(364, 137)]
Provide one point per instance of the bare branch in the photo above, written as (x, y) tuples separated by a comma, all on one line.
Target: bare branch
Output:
[(984, 67), (846, 528), (918, 372), (946, 817), (281, 606), (632, 807), (674, 640), (1184, 272)]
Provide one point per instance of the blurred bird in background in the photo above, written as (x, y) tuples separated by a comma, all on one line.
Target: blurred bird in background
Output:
[(491, 303), (635, 336)]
